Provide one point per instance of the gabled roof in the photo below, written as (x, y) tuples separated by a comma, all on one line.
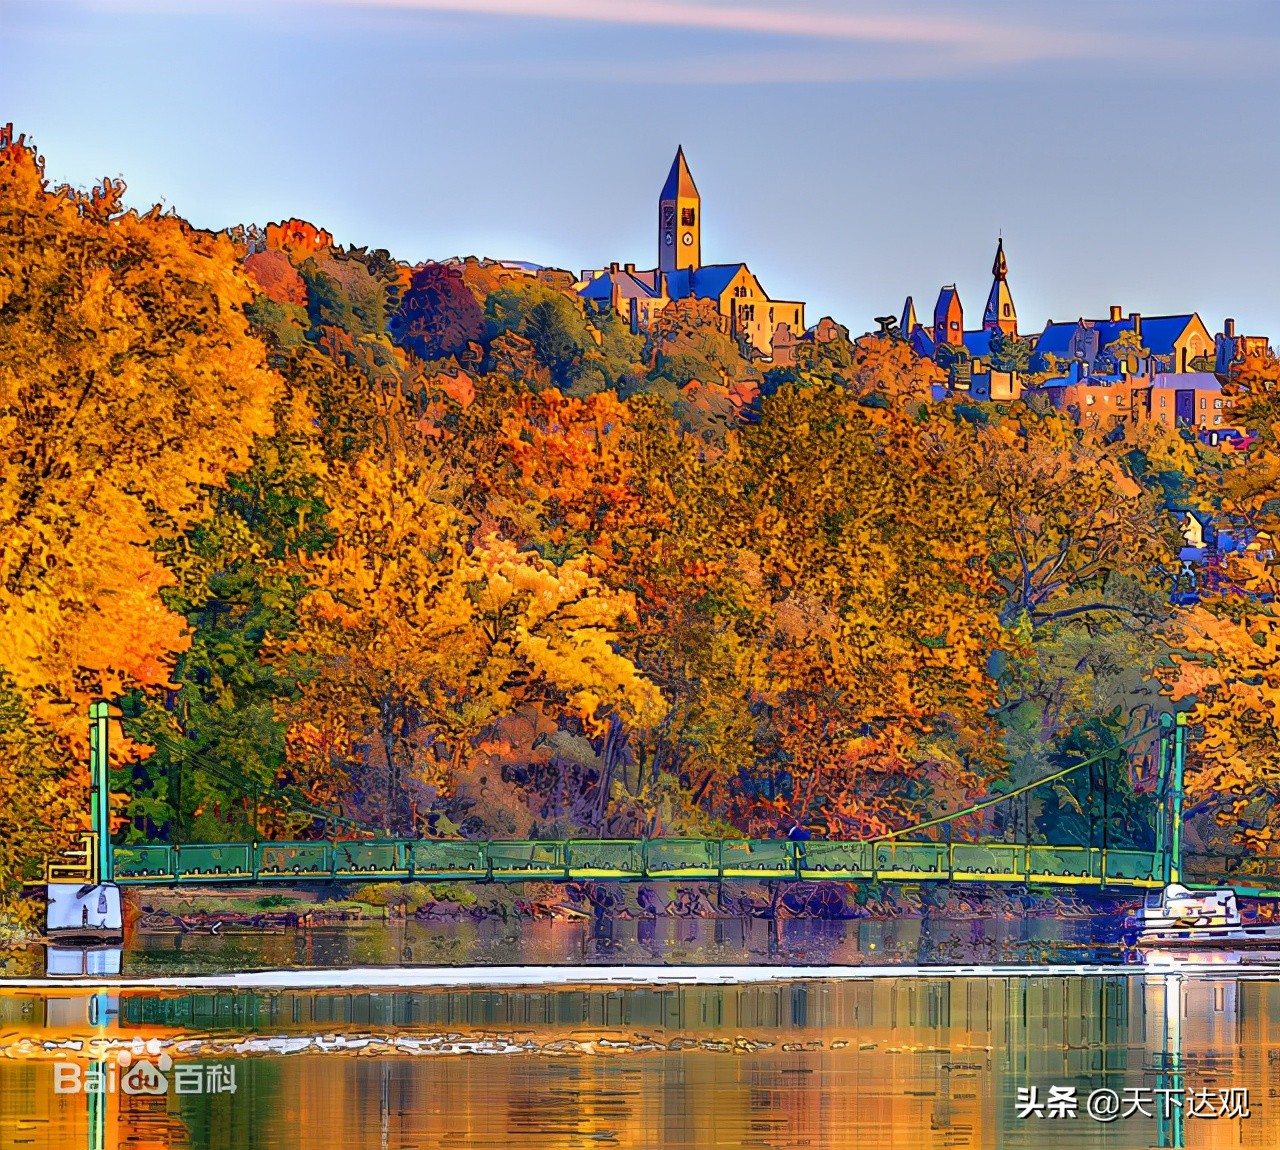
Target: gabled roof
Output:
[(598, 287), (629, 287), (677, 282), (943, 306), (679, 181), (1110, 330), (1160, 332), (1055, 339), (710, 280)]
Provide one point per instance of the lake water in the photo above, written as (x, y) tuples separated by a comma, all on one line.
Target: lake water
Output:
[(904, 1059)]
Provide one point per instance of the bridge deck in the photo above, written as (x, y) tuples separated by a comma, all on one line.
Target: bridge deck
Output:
[(629, 860)]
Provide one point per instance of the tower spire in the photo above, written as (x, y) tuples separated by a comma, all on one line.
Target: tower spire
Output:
[(1000, 314), (679, 222), (1000, 268)]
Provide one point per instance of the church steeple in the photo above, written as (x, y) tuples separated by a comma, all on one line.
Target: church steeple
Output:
[(679, 219), (909, 322), (1000, 314)]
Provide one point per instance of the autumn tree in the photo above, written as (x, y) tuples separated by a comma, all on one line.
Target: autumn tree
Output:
[(1124, 353), (438, 316), (1226, 661), (1009, 351), (412, 642), (883, 611), (130, 388)]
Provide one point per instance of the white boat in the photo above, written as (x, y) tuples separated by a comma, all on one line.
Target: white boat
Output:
[(1182, 919)]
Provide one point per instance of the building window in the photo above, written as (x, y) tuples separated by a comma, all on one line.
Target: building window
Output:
[(1217, 419), (1217, 403), (686, 217), (955, 326), (1088, 399), (1164, 400), (1203, 403), (1006, 311), (749, 312)]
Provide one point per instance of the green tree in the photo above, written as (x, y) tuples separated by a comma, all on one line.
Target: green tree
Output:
[(1009, 352)]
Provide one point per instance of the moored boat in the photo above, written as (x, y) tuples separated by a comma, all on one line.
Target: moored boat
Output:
[(1183, 919)]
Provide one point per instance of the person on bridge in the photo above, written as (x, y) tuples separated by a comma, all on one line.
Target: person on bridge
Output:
[(799, 834)]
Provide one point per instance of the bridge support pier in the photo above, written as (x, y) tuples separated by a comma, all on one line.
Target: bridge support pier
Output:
[(84, 913)]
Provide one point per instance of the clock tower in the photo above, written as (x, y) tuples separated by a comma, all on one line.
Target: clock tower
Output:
[(679, 219)]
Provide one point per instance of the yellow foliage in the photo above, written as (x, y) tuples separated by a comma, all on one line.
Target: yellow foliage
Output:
[(129, 389)]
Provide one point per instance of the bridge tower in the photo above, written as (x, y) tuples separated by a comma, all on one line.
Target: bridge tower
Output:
[(83, 902), (1169, 787)]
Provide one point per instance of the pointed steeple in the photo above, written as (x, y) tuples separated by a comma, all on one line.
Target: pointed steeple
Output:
[(1000, 314), (679, 183), (909, 321), (679, 219)]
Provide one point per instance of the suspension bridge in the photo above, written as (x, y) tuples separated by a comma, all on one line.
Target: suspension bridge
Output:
[(901, 856)]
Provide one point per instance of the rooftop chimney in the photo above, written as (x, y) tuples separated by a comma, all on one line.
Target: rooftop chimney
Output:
[(1229, 328), (1115, 313), (630, 269), (1135, 318), (613, 268)]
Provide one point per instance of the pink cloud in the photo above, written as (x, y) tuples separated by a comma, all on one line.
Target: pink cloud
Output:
[(783, 20)]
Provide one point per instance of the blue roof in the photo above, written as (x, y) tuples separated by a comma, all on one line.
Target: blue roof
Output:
[(1055, 339), (601, 287), (1159, 332), (922, 343), (710, 280), (943, 305), (978, 343)]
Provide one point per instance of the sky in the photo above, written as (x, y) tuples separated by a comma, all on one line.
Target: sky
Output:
[(850, 152)]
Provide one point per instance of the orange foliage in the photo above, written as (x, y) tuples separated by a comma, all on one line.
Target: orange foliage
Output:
[(297, 239), (277, 277)]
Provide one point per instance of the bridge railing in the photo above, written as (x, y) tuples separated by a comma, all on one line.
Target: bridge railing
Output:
[(633, 859)]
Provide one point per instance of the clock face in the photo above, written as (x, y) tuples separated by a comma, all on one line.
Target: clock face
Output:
[(687, 238), (668, 239)]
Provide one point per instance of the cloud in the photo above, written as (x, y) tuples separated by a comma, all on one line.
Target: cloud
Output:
[(790, 21), (733, 42), (945, 27)]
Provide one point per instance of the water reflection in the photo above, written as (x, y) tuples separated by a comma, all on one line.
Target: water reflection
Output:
[(649, 940), (913, 1062)]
